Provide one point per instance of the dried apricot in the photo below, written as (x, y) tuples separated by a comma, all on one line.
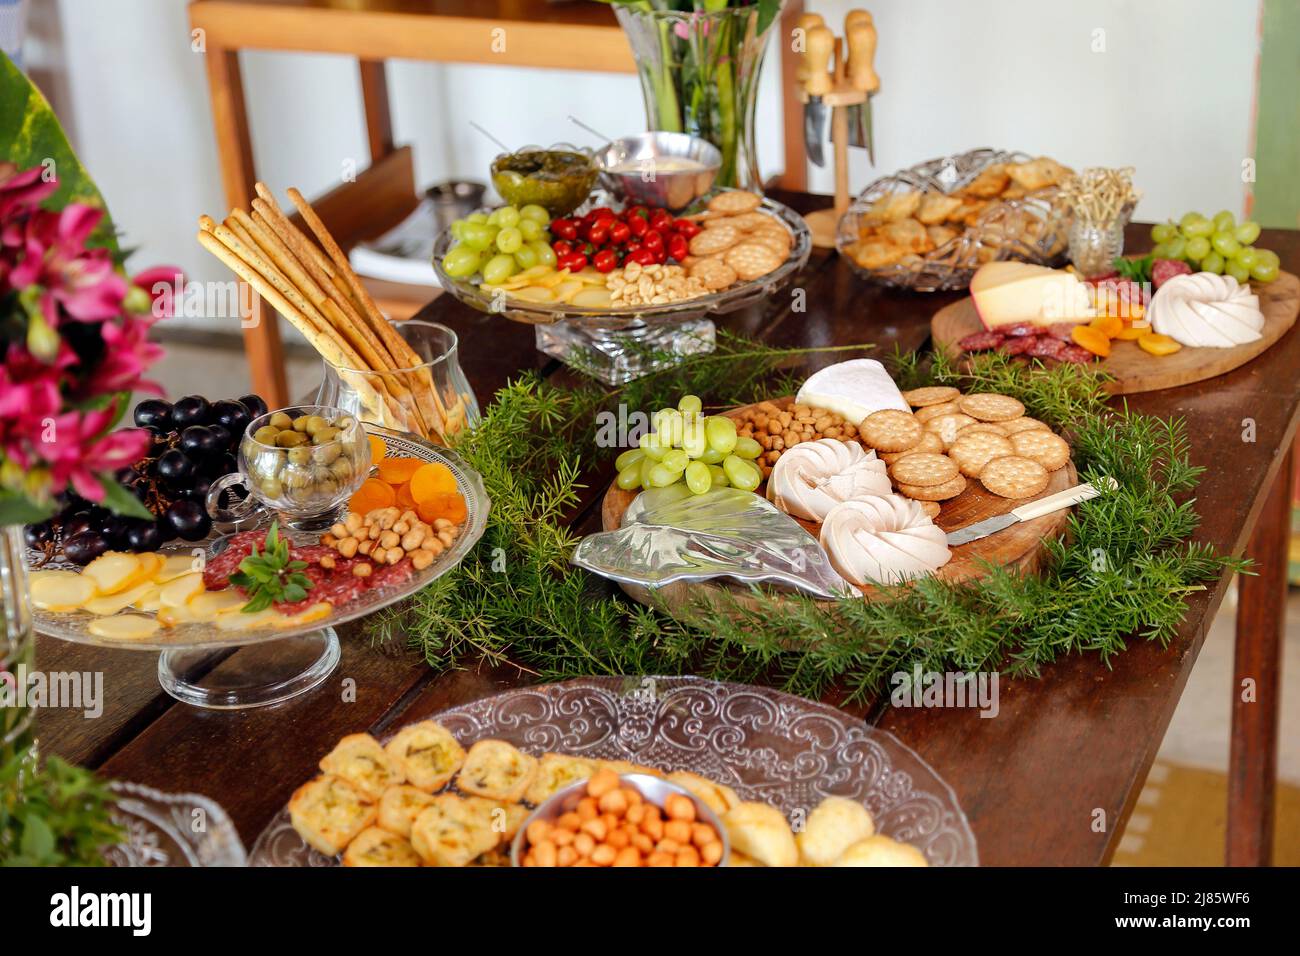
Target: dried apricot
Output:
[(404, 499), (1157, 344), (1130, 333), (398, 471), (1095, 341), (372, 494), (1108, 325), (378, 449), (431, 479), (443, 504)]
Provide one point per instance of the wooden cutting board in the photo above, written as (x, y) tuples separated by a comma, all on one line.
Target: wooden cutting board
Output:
[(1133, 369), (1020, 546)]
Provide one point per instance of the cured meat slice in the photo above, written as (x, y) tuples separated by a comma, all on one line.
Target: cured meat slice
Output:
[(1019, 345), (1019, 331), (981, 341), (1046, 346), (1075, 353), (1061, 330)]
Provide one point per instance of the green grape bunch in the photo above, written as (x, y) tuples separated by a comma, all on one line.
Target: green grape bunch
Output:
[(499, 244), (704, 451), (1220, 245)]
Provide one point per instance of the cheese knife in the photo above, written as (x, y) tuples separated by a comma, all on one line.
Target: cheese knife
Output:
[(1030, 510), (860, 39), (819, 46)]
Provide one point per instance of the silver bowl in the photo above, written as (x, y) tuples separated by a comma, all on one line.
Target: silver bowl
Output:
[(654, 789), (659, 169)]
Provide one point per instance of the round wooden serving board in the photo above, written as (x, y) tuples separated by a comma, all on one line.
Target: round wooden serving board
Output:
[(1133, 369), (1020, 546)]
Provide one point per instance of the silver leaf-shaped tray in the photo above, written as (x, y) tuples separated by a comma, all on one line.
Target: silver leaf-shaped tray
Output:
[(669, 535), (766, 745)]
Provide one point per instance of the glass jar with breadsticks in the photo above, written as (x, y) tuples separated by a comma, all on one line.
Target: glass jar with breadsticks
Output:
[(929, 227), (313, 286), (1100, 202)]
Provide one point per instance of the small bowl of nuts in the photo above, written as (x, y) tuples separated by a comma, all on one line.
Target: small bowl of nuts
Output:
[(303, 463), (627, 820)]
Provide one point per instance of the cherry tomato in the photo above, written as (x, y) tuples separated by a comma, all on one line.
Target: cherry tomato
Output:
[(661, 255), (561, 248), (678, 247), (574, 262), (598, 234), (638, 211), (606, 260), (632, 246), (686, 227), (601, 212), (565, 228), (661, 219), (619, 232), (637, 226), (654, 239)]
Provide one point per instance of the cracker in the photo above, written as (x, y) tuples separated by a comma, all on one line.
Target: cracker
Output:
[(714, 273), (716, 221), (947, 426), (555, 772), (1012, 476), (931, 395), (973, 450), (734, 202), (934, 411), (992, 428), (891, 430), (924, 469), (427, 754), (991, 407), (376, 847), (931, 509), (452, 831), (709, 241), (750, 260), (930, 443), (949, 489), (1049, 450), (362, 762), (778, 247), (1017, 425), (755, 221)]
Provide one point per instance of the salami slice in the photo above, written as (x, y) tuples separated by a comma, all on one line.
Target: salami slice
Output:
[(1075, 353), (981, 341), (1061, 330), (1162, 270), (1046, 346), (1019, 331), (1019, 345), (218, 568)]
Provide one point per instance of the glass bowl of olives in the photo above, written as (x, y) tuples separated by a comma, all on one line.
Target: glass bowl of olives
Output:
[(303, 463), (559, 178)]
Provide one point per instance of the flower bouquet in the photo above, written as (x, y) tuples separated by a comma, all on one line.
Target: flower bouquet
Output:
[(699, 63)]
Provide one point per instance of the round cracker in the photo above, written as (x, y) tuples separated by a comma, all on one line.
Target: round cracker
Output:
[(924, 469), (714, 273), (992, 428), (973, 450), (710, 241), (947, 426), (1016, 425), (750, 260), (932, 411), (991, 407), (1013, 476), (931, 509), (1049, 450), (931, 395), (733, 202), (949, 489), (891, 430), (772, 244), (930, 443)]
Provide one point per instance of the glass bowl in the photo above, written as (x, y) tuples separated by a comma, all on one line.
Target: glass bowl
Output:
[(306, 484), (558, 178)]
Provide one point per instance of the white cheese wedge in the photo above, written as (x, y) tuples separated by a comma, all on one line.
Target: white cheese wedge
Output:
[(853, 389), (1017, 293)]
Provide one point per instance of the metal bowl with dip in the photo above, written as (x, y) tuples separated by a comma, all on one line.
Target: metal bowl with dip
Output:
[(659, 169)]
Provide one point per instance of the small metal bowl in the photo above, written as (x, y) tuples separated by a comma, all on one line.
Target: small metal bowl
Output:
[(648, 175), (654, 789)]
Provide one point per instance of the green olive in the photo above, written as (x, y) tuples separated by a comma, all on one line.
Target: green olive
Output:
[(272, 488), (326, 454), (344, 422), (300, 455), (281, 421), (291, 439), (266, 434), (300, 423), (323, 435), (315, 424), (341, 469)]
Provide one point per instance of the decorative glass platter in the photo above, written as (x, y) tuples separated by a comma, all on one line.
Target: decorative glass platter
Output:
[(172, 829), (622, 344), (298, 657), (1030, 228), (766, 745)]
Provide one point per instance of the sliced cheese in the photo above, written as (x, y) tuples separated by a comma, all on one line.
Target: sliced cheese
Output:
[(853, 389), (60, 591), (1017, 293), (124, 627), (112, 603)]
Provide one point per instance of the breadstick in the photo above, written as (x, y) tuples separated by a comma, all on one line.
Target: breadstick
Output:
[(398, 346), (299, 249)]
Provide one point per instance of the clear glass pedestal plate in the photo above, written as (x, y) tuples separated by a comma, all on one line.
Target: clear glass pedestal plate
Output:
[(282, 663), (618, 345)]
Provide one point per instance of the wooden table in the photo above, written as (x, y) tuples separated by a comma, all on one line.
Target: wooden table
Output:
[(1051, 780), (526, 33)]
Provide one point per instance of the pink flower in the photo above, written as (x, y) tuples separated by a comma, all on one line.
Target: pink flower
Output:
[(22, 192), (81, 282), (127, 353), (161, 283)]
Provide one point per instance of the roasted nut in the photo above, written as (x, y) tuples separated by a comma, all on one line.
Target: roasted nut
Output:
[(411, 540), (327, 562), (421, 560), (362, 570), (348, 547)]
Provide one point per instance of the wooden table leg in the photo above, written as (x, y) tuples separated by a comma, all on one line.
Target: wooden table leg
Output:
[(1261, 617), (235, 155)]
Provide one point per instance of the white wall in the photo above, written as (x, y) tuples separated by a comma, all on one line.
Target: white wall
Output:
[(1172, 95)]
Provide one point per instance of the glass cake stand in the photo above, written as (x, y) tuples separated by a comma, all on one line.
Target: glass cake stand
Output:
[(280, 663), (622, 344)]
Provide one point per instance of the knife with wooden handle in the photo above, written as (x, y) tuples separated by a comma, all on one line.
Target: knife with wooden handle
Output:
[(1030, 510), (860, 38), (819, 46)]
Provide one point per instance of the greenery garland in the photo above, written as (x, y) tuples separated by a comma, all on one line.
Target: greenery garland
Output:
[(1125, 568)]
